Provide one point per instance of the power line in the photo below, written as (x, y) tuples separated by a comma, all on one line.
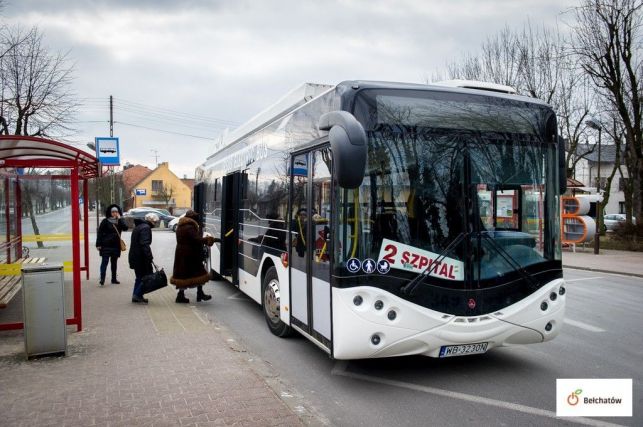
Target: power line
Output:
[(165, 131), (151, 117), (170, 112)]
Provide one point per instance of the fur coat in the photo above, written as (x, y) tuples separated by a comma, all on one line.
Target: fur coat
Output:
[(188, 258)]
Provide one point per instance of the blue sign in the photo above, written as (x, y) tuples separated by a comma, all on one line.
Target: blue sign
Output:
[(383, 266), (353, 265), (141, 191), (368, 266), (300, 167), (107, 151)]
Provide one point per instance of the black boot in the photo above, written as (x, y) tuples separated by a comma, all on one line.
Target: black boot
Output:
[(139, 300), (102, 281), (202, 296), (116, 282), (181, 299)]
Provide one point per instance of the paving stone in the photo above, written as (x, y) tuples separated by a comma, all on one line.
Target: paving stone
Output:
[(135, 365)]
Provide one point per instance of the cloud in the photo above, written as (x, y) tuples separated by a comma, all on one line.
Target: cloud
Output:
[(230, 59)]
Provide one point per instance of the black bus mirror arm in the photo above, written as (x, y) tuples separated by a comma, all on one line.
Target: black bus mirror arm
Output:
[(348, 143)]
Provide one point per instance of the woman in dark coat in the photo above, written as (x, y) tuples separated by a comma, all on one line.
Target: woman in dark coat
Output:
[(140, 253), (108, 240), (188, 269)]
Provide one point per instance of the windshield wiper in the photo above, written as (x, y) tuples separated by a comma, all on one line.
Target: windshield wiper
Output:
[(512, 262), (410, 287)]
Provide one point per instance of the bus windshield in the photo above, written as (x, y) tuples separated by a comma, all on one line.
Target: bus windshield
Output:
[(464, 187)]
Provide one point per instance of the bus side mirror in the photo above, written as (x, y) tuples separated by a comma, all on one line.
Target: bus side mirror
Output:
[(348, 143)]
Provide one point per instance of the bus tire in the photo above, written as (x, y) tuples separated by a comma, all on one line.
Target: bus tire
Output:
[(270, 302)]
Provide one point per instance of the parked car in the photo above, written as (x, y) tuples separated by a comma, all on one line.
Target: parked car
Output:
[(140, 213), (174, 223), (611, 221)]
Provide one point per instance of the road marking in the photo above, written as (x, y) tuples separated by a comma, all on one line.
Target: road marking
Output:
[(585, 278), (340, 370), (582, 325), (585, 270)]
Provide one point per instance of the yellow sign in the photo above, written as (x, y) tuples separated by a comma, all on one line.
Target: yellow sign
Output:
[(15, 269), (47, 237)]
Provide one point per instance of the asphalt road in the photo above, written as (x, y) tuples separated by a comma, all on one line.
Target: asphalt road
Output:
[(602, 338), (58, 221)]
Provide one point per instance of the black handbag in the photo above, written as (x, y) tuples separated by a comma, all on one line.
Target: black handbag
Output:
[(154, 281)]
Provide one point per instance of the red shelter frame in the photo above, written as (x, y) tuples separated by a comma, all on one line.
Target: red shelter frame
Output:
[(18, 151)]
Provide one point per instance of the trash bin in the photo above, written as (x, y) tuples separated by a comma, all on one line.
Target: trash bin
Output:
[(43, 290)]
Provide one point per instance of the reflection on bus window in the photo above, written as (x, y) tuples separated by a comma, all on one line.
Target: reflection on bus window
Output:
[(321, 204)]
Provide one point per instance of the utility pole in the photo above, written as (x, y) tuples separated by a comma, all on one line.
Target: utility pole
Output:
[(111, 134), (111, 116)]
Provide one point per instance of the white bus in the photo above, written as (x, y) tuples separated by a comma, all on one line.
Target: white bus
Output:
[(388, 219)]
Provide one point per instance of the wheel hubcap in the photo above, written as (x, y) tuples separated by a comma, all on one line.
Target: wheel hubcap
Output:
[(271, 301)]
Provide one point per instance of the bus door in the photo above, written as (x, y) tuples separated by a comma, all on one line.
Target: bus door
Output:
[(310, 244), (199, 201), (231, 197)]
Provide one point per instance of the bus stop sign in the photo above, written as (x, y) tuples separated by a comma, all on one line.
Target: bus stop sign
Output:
[(107, 151)]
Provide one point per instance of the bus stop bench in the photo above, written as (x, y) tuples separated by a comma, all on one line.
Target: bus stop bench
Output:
[(10, 284)]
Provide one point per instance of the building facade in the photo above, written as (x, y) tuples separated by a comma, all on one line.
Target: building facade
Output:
[(586, 171), (161, 188)]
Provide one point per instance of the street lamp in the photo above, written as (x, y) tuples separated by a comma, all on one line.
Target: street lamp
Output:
[(595, 124)]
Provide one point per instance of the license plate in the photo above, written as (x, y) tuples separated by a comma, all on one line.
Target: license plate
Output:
[(463, 349)]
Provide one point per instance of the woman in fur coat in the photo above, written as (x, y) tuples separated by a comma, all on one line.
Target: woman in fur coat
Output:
[(188, 269)]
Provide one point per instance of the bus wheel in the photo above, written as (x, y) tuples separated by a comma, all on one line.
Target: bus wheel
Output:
[(271, 304)]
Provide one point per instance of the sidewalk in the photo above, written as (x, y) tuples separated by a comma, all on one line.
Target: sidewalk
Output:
[(608, 261), (158, 365)]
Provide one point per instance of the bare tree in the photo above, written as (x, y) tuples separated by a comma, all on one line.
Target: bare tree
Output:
[(607, 41), (36, 97), (536, 62), (166, 194)]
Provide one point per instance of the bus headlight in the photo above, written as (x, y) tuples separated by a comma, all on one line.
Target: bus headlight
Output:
[(561, 291), (358, 300), (544, 306), (375, 339), (379, 304)]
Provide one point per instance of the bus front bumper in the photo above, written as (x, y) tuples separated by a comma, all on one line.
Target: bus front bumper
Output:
[(364, 331)]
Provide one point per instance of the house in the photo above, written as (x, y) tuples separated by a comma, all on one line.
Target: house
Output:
[(130, 176), (159, 188), (586, 171)]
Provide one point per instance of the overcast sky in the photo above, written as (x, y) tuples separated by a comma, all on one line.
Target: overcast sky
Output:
[(217, 63)]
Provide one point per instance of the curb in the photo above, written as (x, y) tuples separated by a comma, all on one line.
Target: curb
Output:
[(307, 413), (599, 270)]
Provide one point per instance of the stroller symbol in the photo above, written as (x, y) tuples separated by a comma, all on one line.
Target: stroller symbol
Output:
[(383, 266)]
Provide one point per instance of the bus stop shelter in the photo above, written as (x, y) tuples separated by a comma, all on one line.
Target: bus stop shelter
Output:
[(70, 168)]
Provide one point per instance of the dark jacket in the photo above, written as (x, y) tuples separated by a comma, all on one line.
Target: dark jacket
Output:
[(188, 258), (140, 252), (108, 238)]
